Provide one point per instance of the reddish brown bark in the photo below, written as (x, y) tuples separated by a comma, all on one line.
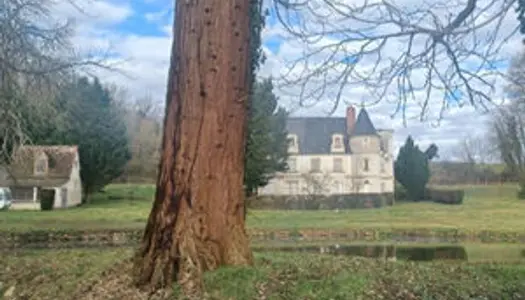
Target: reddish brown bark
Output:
[(197, 220)]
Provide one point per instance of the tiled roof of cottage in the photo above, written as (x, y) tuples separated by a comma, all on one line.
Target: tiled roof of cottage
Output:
[(60, 162)]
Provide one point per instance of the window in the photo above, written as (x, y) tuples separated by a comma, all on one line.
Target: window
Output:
[(338, 188), (338, 164), (293, 187), (291, 141), (382, 187), (366, 141), (382, 167), (366, 166), (41, 165), (315, 164), (366, 186), (337, 142), (292, 165)]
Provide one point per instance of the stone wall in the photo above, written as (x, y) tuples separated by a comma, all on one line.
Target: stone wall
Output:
[(309, 202)]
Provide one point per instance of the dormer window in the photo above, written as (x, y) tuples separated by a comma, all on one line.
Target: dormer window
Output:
[(293, 145), (337, 143), (41, 164)]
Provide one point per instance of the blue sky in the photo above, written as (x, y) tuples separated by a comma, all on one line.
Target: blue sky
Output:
[(139, 31)]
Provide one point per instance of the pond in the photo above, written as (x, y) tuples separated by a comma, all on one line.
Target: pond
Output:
[(499, 253)]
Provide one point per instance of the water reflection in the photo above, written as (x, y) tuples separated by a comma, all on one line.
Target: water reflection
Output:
[(391, 252)]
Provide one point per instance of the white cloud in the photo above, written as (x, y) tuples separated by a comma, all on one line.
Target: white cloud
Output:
[(93, 12), (147, 61)]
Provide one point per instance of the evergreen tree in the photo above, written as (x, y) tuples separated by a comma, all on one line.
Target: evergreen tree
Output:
[(97, 127), (266, 145), (412, 169)]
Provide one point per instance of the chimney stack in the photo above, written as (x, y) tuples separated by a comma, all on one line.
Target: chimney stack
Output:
[(350, 119)]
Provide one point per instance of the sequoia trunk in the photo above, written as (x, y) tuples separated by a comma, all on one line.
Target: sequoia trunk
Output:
[(197, 220)]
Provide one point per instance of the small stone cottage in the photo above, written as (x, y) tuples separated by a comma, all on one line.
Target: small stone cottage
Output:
[(44, 167)]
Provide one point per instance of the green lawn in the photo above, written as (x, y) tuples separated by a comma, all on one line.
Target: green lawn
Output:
[(127, 206), (78, 274)]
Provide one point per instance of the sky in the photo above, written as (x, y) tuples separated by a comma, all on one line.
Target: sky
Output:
[(136, 35)]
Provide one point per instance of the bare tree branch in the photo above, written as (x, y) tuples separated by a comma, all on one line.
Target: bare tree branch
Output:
[(36, 57), (429, 52)]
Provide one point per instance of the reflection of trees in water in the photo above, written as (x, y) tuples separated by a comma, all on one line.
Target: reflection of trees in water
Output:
[(390, 252)]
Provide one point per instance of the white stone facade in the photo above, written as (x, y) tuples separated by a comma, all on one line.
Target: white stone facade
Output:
[(354, 158)]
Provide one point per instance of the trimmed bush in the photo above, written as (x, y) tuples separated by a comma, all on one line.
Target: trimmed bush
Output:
[(521, 192), (445, 196), (400, 193), (47, 199), (348, 201)]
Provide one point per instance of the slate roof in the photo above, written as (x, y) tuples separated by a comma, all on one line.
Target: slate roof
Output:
[(60, 163), (314, 134), (363, 125)]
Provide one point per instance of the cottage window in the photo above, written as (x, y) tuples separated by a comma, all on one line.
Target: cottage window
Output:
[(41, 165), (315, 164)]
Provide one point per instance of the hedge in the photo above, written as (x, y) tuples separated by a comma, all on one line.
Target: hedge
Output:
[(307, 202), (445, 196)]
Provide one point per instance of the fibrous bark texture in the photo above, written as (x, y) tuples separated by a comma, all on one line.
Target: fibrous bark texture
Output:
[(197, 220)]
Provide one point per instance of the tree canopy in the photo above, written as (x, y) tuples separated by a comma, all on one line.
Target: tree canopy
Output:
[(508, 124), (89, 119), (98, 128), (412, 170), (266, 144), (36, 58), (434, 54)]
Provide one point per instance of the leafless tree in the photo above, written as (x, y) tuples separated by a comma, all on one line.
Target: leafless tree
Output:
[(36, 54), (317, 185), (477, 149), (145, 129), (434, 53), (508, 124)]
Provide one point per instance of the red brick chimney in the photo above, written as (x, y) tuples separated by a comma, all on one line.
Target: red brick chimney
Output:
[(350, 119)]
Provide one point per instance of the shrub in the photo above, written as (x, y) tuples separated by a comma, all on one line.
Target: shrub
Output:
[(445, 196), (307, 202), (47, 199), (521, 191), (400, 193)]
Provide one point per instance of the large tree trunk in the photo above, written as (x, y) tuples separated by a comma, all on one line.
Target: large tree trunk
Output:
[(197, 220)]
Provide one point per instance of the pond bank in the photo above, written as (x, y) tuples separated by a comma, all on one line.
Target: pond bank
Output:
[(94, 274), (42, 239)]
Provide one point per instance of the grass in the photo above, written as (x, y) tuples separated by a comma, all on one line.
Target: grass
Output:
[(78, 275), (127, 206)]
